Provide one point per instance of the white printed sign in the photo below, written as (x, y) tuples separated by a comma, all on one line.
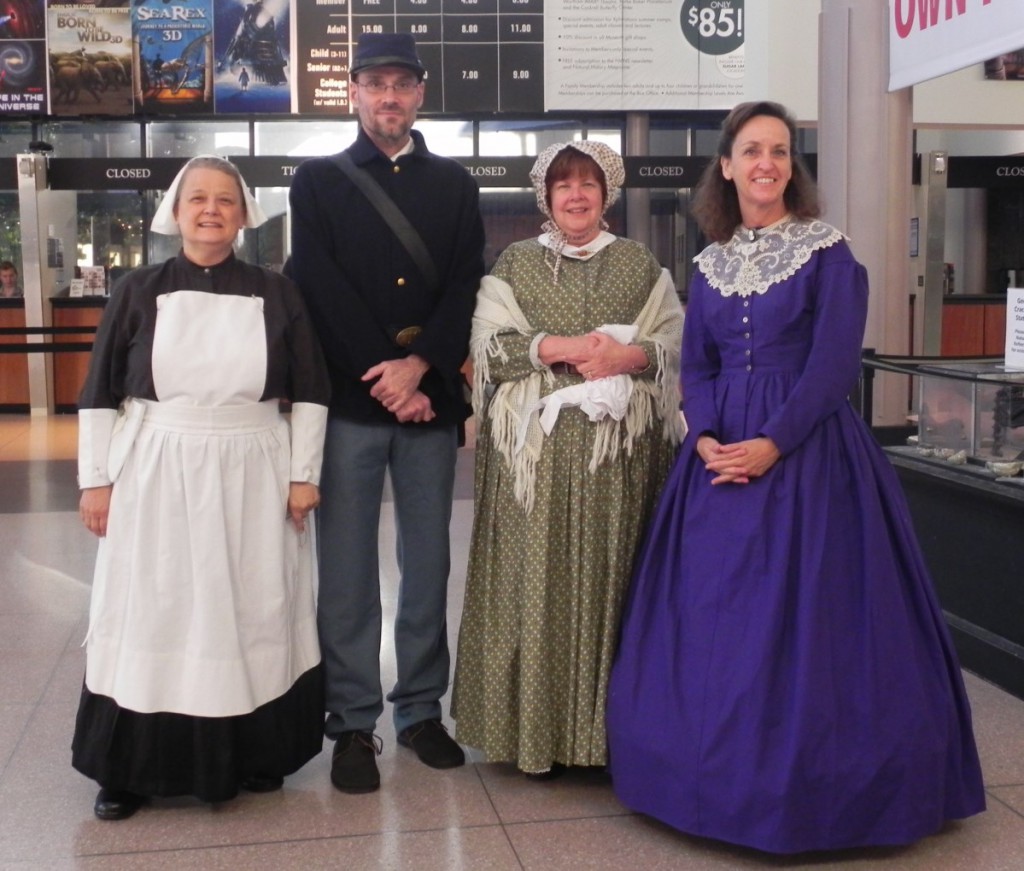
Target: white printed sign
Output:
[(603, 55), (1014, 328)]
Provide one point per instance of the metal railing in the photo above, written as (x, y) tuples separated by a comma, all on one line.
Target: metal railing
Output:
[(44, 347)]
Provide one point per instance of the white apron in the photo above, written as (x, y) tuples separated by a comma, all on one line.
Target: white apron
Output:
[(203, 599)]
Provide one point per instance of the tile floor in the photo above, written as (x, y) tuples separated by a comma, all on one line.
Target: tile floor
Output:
[(480, 816)]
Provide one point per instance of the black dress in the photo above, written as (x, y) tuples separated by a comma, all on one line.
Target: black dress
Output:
[(203, 665)]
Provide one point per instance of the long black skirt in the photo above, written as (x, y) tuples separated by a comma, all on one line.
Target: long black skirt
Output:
[(166, 754)]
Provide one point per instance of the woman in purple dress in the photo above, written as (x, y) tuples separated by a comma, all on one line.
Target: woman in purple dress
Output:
[(785, 679)]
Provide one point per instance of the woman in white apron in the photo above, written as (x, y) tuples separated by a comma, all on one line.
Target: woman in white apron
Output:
[(203, 667)]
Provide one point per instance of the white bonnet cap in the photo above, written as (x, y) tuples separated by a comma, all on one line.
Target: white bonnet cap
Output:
[(603, 155), (164, 221), (610, 164)]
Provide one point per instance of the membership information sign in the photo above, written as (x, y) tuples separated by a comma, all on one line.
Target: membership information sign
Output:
[(534, 55), (660, 54), (1015, 328)]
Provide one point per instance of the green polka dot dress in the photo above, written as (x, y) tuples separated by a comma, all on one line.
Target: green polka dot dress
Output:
[(544, 589)]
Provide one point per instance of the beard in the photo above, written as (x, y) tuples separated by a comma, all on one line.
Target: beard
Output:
[(391, 129)]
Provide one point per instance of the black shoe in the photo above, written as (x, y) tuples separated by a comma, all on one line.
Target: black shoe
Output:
[(553, 773), (117, 804), (262, 783), (430, 741), (354, 766)]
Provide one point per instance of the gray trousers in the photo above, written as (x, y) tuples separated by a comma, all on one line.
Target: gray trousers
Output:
[(421, 464)]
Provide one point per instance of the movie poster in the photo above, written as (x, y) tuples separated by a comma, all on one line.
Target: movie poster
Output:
[(90, 43), (173, 57), (253, 56), (22, 57)]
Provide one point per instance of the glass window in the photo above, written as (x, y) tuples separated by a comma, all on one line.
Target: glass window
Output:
[(111, 228), (267, 245), (187, 139), (93, 138), (14, 138), (10, 229), (110, 231), (448, 138), (670, 140), (706, 142), (315, 138), (273, 201), (304, 138), (610, 136), (525, 138), (807, 140), (510, 214)]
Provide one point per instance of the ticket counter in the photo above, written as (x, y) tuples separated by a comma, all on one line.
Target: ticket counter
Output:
[(973, 325), (71, 367), (13, 366)]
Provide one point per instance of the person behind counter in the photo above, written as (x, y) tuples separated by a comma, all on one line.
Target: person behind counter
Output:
[(203, 668), (9, 286), (785, 679), (577, 335)]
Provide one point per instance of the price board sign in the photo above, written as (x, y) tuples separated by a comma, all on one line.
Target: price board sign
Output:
[(480, 55), (533, 56)]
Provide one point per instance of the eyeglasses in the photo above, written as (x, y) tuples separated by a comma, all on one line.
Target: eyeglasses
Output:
[(377, 88)]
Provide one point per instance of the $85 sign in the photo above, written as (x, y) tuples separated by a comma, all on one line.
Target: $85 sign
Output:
[(713, 26)]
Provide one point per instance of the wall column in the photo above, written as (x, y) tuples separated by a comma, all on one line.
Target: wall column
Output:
[(638, 200), (865, 152), (31, 183)]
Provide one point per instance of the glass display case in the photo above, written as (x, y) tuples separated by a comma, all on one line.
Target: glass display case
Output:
[(973, 409)]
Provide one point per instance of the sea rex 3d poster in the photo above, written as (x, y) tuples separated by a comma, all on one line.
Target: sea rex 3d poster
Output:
[(174, 56)]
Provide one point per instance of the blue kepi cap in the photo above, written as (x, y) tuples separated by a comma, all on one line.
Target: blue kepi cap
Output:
[(386, 50)]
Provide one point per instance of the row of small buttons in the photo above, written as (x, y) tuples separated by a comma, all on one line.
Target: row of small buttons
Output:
[(746, 335)]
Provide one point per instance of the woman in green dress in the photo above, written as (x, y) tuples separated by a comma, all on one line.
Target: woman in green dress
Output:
[(575, 351)]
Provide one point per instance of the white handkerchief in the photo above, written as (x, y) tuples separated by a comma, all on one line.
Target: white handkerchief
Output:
[(598, 399)]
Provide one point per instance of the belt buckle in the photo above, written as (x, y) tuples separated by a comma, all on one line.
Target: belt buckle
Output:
[(406, 336)]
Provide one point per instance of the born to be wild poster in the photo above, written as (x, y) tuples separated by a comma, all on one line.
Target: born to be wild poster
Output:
[(90, 57)]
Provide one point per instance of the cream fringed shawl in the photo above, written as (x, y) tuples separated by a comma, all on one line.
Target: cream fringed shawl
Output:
[(497, 312)]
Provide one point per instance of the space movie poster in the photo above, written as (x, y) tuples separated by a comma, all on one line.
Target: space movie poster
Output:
[(90, 57), (22, 57), (173, 56), (253, 54)]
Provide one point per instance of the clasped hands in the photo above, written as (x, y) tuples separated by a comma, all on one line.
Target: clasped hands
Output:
[(595, 354), (397, 388), (739, 462)]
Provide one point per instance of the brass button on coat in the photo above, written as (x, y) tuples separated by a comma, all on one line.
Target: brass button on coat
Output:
[(404, 337)]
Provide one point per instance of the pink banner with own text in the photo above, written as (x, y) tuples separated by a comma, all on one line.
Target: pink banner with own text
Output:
[(929, 38)]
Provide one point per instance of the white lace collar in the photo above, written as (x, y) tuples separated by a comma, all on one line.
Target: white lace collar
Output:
[(581, 252), (745, 267)]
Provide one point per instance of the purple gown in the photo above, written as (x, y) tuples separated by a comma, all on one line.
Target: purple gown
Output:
[(785, 679)]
